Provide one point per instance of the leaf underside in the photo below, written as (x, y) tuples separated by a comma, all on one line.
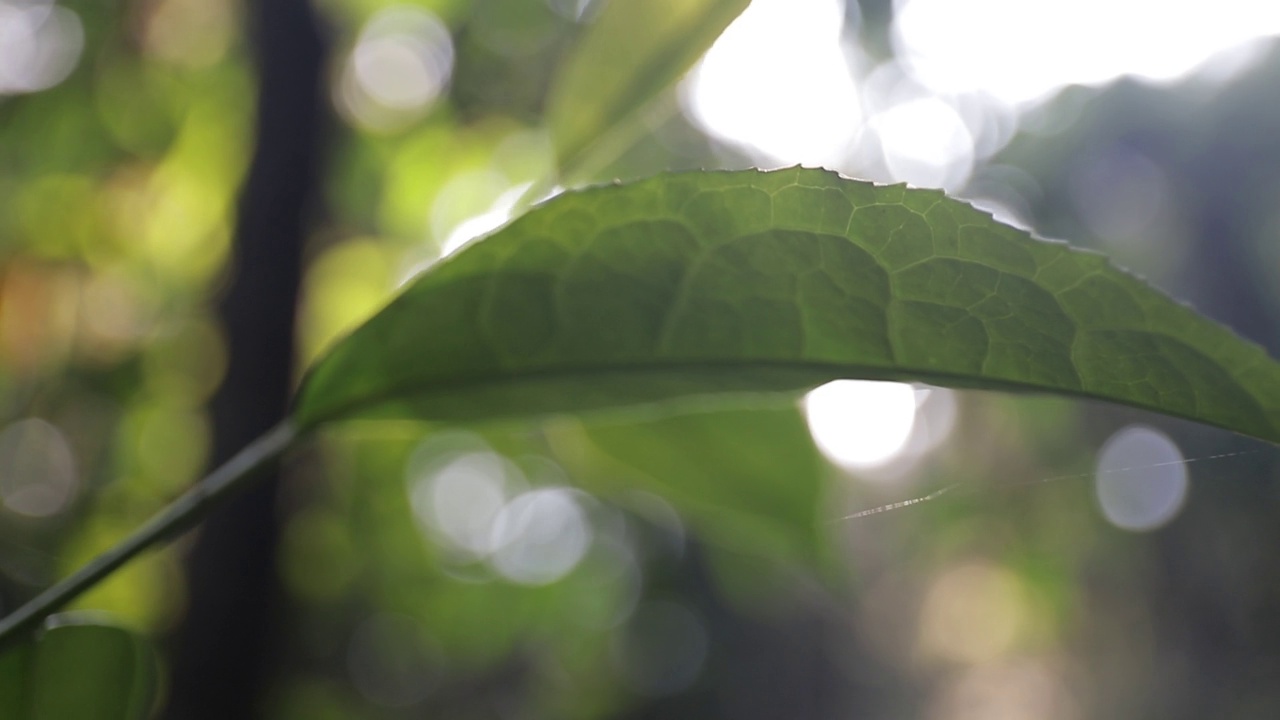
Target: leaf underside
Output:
[(700, 283), (748, 479)]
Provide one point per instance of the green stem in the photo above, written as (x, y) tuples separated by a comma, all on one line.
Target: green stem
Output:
[(180, 515)]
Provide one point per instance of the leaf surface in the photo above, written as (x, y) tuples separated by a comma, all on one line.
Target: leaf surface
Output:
[(748, 478), (629, 54), (81, 669), (700, 283), (14, 664)]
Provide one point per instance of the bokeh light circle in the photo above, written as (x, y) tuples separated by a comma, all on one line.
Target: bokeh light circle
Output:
[(1141, 478)]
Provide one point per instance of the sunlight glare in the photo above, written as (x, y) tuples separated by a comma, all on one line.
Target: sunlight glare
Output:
[(486, 222), (861, 424), (925, 143), (778, 81), (1022, 52)]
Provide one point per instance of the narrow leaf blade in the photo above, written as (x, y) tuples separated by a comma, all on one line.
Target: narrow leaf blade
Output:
[(629, 54), (78, 668), (699, 283)]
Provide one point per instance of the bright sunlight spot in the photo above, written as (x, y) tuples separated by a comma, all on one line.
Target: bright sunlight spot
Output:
[(778, 81), (925, 142), (461, 501), (40, 43), (783, 83), (474, 503), (400, 64), (1019, 52), (1141, 478), (861, 424), (540, 536)]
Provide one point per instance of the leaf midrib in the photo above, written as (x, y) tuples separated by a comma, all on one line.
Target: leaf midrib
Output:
[(830, 370)]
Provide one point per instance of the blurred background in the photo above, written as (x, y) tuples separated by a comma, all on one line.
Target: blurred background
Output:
[(197, 196)]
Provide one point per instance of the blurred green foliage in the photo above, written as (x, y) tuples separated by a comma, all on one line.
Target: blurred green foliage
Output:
[(117, 190)]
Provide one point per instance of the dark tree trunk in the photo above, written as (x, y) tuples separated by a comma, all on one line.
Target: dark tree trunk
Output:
[(222, 653)]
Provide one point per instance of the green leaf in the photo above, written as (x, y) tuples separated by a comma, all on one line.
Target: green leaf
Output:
[(14, 664), (78, 669), (750, 479), (631, 52), (699, 283)]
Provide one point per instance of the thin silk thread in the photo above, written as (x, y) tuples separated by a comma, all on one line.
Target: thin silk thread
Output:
[(1008, 486)]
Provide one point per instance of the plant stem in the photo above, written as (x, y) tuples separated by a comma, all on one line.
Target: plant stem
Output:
[(180, 515)]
